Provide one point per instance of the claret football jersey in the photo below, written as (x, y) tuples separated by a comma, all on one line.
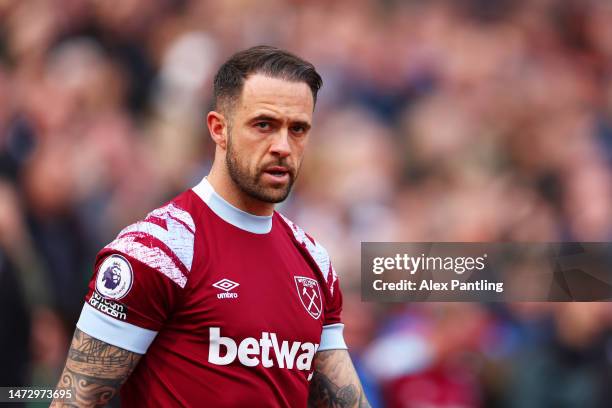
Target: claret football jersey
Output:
[(227, 308)]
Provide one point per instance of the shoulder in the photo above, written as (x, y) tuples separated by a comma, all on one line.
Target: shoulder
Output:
[(317, 251), (163, 240)]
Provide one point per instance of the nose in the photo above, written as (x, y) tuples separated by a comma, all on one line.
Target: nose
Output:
[(280, 144)]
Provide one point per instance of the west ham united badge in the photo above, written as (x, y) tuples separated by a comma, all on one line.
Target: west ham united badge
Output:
[(115, 276), (310, 295)]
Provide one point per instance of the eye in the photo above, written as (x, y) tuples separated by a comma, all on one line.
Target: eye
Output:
[(262, 125), (299, 129)]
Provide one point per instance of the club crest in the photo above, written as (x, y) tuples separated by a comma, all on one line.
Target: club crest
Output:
[(310, 295)]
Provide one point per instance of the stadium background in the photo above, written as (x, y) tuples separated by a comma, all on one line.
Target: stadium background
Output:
[(438, 121)]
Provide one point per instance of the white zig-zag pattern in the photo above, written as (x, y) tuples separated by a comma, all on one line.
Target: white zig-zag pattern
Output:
[(175, 237), (173, 211), (152, 257), (316, 250), (179, 237)]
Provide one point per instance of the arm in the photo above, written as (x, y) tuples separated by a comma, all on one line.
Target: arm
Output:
[(335, 382), (94, 371)]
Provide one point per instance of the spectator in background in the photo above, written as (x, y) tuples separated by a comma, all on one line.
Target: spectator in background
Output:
[(478, 121), (571, 367), (15, 323)]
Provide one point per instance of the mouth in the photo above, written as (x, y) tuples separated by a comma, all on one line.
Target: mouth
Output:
[(277, 173)]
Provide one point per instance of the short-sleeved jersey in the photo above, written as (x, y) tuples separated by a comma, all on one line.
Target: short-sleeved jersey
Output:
[(228, 308)]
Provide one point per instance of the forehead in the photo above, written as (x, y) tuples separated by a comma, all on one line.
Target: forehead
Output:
[(264, 94)]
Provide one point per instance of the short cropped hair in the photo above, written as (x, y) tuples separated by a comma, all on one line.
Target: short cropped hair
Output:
[(266, 60)]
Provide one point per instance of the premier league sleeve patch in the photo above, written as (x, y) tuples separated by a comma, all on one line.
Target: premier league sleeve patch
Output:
[(115, 276)]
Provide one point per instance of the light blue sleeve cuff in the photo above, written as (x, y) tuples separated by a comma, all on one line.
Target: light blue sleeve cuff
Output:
[(115, 332), (332, 338)]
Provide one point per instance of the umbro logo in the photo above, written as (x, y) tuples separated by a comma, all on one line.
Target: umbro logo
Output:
[(226, 285)]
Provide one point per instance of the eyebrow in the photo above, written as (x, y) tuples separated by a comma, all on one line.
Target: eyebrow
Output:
[(266, 117)]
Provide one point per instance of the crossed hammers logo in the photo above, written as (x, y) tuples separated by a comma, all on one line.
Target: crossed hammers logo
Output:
[(312, 299)]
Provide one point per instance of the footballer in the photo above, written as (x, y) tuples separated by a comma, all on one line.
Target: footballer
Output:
[(215, 299)]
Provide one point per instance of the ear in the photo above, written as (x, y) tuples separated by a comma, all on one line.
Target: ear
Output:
[(217, 126)]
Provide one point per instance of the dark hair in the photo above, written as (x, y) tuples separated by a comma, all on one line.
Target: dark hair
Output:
[(266, 60)]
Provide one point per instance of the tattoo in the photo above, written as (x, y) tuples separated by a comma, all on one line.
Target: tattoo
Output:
[(94, 371), (335, 383)]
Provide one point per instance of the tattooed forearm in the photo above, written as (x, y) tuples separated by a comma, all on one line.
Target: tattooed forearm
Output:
[(335, 382), (94, 371)]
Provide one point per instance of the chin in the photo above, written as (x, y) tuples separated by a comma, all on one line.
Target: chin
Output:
[(273, 195), (277, 198)]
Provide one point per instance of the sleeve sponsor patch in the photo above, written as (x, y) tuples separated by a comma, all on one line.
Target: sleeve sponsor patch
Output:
[(113, 309), (114, 278)]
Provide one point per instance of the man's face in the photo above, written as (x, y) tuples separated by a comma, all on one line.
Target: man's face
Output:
[(269, 129)]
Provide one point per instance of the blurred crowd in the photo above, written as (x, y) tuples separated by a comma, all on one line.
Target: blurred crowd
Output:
[(458, 120)]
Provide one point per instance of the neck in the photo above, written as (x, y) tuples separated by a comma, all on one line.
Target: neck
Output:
[(230, 192)]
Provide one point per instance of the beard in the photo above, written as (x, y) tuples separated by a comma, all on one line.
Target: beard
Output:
[(251, 184)]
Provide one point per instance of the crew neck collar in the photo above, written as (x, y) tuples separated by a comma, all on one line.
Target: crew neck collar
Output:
[(257, 224)]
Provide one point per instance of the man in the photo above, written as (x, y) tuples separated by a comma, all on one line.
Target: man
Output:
[(215, 299)]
